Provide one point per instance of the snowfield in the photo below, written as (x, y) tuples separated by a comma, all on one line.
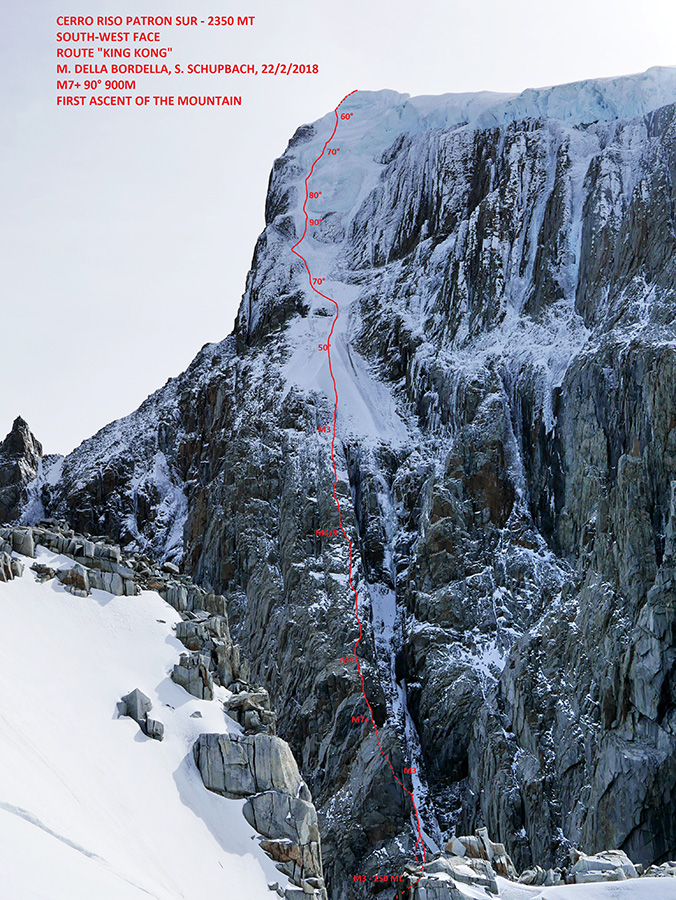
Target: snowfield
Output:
[(90, 808)]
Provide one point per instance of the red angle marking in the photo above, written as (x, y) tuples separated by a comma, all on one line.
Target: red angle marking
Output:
[(419, 839)]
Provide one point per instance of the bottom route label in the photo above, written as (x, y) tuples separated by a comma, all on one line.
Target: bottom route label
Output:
[(379, 879)]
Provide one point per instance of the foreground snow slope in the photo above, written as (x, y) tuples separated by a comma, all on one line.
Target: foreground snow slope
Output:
[(90, 807)]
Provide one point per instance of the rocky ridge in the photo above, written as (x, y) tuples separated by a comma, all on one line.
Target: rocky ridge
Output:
[(506, 469)]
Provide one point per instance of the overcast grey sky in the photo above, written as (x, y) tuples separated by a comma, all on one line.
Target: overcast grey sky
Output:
[(126, 234)]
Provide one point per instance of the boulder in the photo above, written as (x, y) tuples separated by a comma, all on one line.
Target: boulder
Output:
[(88, 549), (475, 872), (210, 634), (277, 815), (42, 572), (429, 887), (192, 675), (192, 635), (103, 550), (154, 729), (536, 875), (609, 865), (176, 595), (666, 870), (480, 846), (301, 862), (137, 706), (595, 877), (198, 633), (240, 765), (438, 877), (107, 581), (6, 572), (229, 664), (251, 709), (75, 579), (22, 541)]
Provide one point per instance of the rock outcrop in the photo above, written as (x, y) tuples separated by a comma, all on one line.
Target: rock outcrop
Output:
[(251, 709), (137, 706), (75, 579), (480, 846), (238, 766), (279, 805), (193, 675), (20, 456), (438, 878), (609, 865)]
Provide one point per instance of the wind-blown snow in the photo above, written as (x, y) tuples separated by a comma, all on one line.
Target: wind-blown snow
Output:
[(90, 807), (580, 102)]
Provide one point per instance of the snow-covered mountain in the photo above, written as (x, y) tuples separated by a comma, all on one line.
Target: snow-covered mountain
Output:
[(505, 358)]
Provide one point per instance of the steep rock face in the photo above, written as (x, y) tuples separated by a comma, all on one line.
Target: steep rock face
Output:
[(20, 456), (505, 464), (588, 695)]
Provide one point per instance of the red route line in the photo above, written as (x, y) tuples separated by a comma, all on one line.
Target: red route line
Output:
[(419, 839)]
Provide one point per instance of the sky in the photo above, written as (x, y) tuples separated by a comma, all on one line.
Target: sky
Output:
[(126, 233)]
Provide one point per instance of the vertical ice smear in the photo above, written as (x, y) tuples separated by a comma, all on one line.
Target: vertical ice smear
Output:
[(33, 509), (387, 635), (387, 625), (171, 507), (48, 474)]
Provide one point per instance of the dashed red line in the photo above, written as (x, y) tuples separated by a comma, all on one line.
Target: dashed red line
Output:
[(419, 839)]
